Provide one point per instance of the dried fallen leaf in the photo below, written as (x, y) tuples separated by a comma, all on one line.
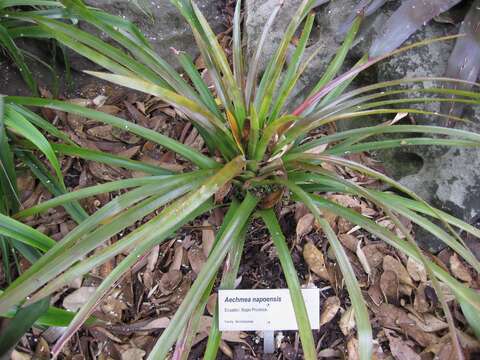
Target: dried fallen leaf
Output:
[(416, 270), (399, 348), (389, 286), (304, 225), (330, 309), (160, 323), (349, 241), (133, 354), (352, 349), (208, 238), (459, 269), (78, 298), (170, 281), (196, 258), (392, 264), (429, 323), (315, 260), (212, 303), (363, 259), (420, 303), (16, 355), (347, 321)]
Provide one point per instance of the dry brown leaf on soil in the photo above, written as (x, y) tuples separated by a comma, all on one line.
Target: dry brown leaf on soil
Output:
[(17, 355), (78, 298), (349, 241), (389, 286), (304, 225), (212, 303), (208, 238), (420, 303), (347, 321), (315, 260), (133, 354), (160, 323), (196, 258), (227, 350), (363, 259), (177, 258), (392, 317), (152, 258), (330, 309), (392, 264), (169, 281), (399, 348), (429, 323), (459, 269), (416, 270), (352, 349)]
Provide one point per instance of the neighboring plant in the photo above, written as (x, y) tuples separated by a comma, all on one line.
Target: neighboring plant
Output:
[(264, 152)]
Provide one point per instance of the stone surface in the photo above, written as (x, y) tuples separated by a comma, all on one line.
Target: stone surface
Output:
[(162, 23)]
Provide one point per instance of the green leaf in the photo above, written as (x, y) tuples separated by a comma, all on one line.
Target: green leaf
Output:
[(7, 42), (19, 325), (17, 123), (290, 272), (109, 159), (21, 232), (171, 144), (364, 328), (210, 268), (152, 233)]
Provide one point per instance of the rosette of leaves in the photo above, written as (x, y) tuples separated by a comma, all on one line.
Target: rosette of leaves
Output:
[(255, 144)]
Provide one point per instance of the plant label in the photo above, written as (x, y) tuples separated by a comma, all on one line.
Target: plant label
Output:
[(264, 310)]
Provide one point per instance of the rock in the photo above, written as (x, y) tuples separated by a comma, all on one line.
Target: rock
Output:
[(448, 178), (162, 23), (323, 37)]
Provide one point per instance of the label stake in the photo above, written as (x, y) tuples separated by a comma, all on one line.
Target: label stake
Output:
[(268, 342)]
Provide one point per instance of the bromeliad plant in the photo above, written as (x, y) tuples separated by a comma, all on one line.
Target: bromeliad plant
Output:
[(255, 144)]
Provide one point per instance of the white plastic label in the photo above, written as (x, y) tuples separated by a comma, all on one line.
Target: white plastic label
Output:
[(268, 309)]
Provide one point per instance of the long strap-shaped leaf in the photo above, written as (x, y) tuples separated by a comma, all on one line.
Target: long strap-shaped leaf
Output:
[(91, 191), (180, 319), (184, 343), (7, 42), (467, 295), (16, 122), (382, 129), (21, 232), (49, 265), (200, 115), (155, 231), (364, 328), (309, 351), (176, 146)]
